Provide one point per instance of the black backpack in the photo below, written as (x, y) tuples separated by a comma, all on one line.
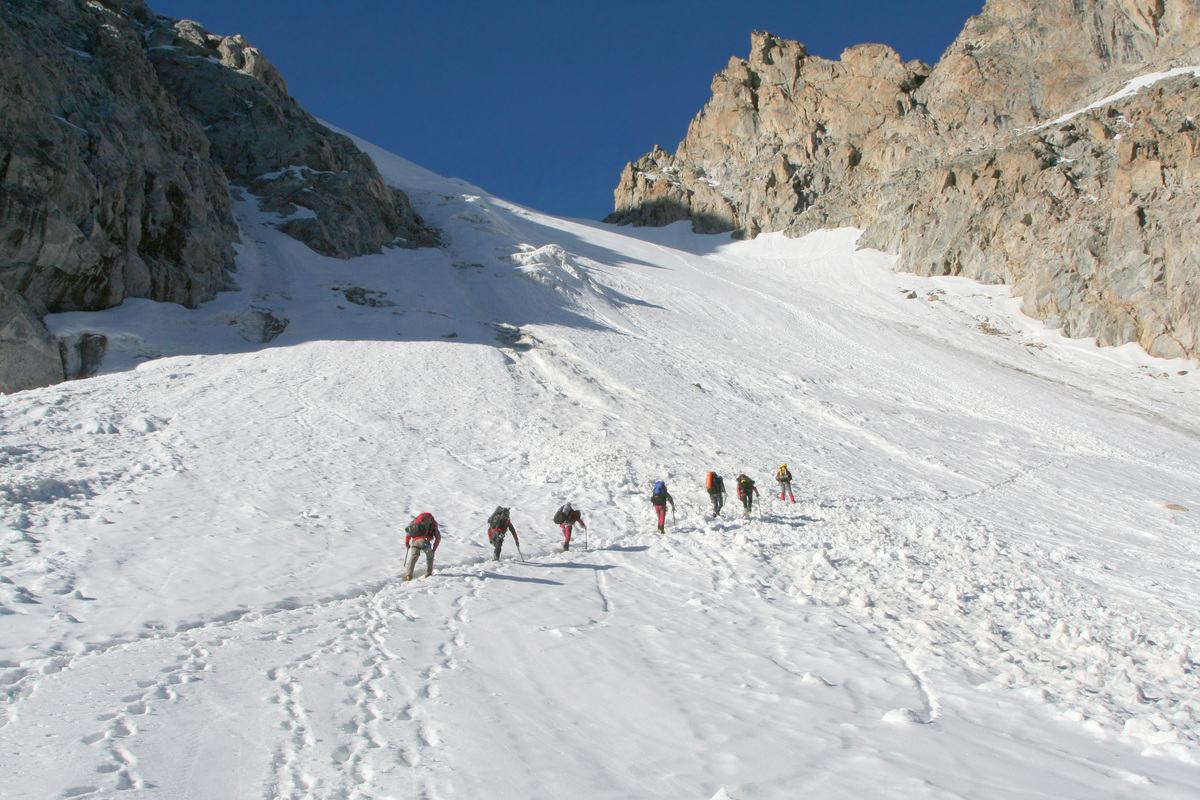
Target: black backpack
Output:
[(423, 525), (560, 517), (498, 518)]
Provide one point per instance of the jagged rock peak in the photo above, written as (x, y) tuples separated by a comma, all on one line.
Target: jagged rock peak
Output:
[(267, 143), (781, 129), (233, 52)]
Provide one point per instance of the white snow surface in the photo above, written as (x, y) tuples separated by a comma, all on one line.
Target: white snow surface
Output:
[(987, 588)]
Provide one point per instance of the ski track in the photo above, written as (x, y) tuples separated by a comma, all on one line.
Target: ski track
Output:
[(960, 566)]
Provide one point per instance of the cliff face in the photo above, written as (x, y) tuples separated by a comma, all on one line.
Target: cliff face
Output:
[(120, 132), (1092, 222), (107, 188), (781, 130), (264, 141), (1089, 219), (1021, 62)]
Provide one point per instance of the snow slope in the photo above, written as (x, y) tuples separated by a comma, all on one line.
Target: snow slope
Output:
[(987, 589)]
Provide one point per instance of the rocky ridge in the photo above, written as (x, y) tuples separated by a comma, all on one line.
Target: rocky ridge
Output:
[(266, 143), (782, 129), (966, 168), (120, 134)]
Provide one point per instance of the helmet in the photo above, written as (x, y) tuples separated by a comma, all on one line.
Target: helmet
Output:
[(783, 466), (567, 508)]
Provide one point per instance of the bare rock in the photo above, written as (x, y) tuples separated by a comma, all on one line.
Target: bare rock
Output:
[(782, 128), (106, 191), (266, 142), (1097, 233), (1019, 62), (29, 355)]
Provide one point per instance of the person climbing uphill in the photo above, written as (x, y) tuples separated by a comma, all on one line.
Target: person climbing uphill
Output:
[(421, 534), (715, 485), (660, 498), (784, 476), (498, 525), (745, 492), (568, 517)]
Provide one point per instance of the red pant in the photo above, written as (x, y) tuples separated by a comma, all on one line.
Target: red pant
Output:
[(662, 515)]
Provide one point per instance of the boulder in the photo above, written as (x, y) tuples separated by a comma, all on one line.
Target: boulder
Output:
[(29, 354)]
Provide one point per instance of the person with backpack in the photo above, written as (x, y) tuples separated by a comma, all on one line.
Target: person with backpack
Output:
[(784, 476), (498, 525), (745, 492), (659, 499), (716, 492), (567, 517), (421, 534)]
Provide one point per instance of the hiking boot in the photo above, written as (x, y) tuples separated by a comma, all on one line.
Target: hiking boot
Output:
[(660, 530), (408, 577)]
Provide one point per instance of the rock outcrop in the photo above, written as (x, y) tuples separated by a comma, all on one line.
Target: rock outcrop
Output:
[(120, 133), (781, 130), (106, 188), (1022, 62), (961, 168), (1092, 222), (267, 143), (29, 355)]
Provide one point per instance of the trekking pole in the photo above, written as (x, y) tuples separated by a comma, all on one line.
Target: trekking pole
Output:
[(585, 539), (674, 524), (522, 555)]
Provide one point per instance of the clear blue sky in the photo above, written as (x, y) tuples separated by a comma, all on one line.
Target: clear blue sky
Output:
[(541, 103)]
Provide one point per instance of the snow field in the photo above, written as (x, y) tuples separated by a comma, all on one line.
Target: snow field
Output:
[(981, 593)]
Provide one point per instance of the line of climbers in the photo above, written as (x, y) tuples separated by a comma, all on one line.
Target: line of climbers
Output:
[(423, 534), (714, 484)]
